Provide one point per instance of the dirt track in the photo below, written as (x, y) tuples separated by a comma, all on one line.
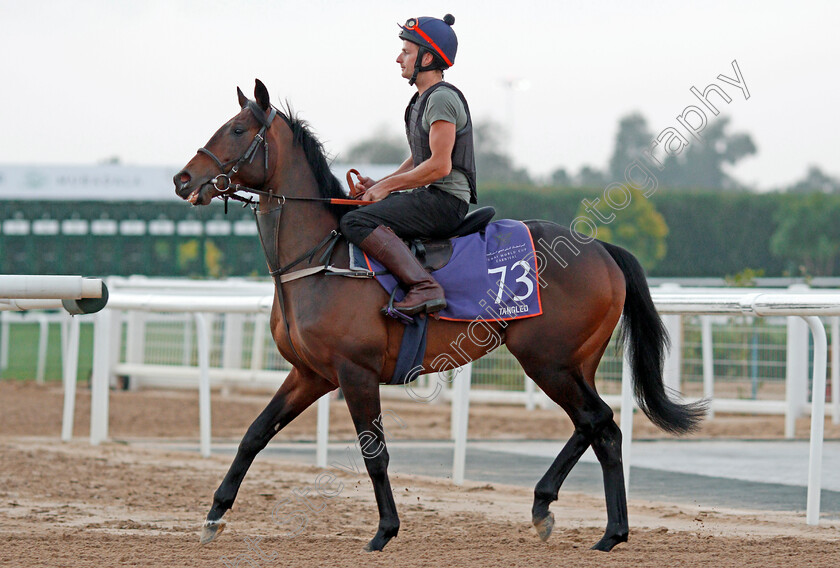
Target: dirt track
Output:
[(76, 505)]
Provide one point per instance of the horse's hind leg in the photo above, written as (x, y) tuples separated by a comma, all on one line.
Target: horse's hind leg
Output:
[(607, 447), (594, 425), (295, 395), (548, 487)]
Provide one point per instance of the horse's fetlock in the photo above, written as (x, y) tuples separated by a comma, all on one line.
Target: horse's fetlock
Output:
[(544, 495), (389, 528)]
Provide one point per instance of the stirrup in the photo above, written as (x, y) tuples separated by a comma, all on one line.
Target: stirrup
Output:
[(391, 311)]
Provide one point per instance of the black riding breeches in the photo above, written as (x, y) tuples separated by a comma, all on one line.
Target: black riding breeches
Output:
[(424, 212)]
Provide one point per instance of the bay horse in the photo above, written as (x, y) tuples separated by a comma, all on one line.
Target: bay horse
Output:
[(332, 332)]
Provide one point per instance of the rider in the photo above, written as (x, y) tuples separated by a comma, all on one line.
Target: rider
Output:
[(441, 168)]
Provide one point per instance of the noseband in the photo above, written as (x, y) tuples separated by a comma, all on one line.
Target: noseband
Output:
[(222, 181)]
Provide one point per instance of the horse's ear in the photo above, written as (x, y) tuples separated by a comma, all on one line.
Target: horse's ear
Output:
[(261, 94), (243, 100)]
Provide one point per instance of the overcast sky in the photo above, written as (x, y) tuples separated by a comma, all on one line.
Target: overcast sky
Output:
[(150, 81)]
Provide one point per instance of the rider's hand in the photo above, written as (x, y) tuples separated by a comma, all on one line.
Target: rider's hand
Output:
[(375, 193), (364, 184)]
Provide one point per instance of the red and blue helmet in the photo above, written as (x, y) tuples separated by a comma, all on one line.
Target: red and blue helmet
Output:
[(436, 37)]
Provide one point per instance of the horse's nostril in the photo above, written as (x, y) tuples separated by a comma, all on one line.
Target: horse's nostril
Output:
[(181, 179)]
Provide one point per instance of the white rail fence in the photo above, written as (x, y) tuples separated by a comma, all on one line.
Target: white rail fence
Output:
[(246, 306), (75, 294)]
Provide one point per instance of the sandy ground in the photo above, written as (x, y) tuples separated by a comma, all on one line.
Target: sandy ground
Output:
[(122, 505)]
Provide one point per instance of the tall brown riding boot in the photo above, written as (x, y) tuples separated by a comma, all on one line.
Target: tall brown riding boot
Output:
[(425, 294)]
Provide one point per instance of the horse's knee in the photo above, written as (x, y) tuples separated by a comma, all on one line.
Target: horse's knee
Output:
[(253, 441)]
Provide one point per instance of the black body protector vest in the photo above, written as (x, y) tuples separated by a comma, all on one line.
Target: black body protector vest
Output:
[(463, 155)]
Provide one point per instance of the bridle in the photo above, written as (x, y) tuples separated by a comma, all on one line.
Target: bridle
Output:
[(227, 189), (222, 182)]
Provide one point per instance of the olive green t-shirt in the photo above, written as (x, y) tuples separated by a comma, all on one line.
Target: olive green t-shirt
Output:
[(445, 104)]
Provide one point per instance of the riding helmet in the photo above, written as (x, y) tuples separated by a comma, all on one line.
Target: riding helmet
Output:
[(436, 37)]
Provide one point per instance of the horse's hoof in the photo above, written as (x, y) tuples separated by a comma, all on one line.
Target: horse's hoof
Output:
[(377, 543), (544, 526), (607, 543), (375, 546), (211, 529)]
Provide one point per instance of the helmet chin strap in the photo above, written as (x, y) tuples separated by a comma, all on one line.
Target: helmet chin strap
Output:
[(418, 64)]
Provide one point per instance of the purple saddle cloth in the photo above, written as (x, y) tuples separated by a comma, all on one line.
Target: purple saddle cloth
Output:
[(491, 274)]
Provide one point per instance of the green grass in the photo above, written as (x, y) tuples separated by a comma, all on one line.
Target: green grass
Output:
[(23, 352)]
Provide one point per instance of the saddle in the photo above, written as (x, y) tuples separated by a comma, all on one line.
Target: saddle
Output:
[(434, 254)]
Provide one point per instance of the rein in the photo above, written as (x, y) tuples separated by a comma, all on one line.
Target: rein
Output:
[(229, 190)]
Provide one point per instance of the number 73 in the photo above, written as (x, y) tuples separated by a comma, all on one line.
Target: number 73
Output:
[(526, 270)]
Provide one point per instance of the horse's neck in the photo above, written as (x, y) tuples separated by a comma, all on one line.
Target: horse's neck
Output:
[(302, 224)]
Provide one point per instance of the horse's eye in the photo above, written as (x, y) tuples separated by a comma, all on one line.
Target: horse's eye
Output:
[(238, 131)]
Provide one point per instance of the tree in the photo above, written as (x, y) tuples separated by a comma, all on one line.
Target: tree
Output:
[(381, 148), (632, 139), (816, 180), (639, 228), (589, 176), (701, 165), (808, 235), (560, 178), (492, 163)]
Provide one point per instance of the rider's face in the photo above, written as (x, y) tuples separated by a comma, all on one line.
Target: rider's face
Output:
[(407, 57)]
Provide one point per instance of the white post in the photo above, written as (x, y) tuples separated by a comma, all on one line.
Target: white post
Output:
[(258, 344), (812, 514), (203, 336), (627, 405), (116, 334), (70, 364), (135, 342), (461, 398), (707, 348), (188, 341), (673, 360), (796, 382), (64, 335), (530, 394), (43, 338), (835, 369), (448, 378), (232, 346), (101, 379), (4, 341), (323, 430)]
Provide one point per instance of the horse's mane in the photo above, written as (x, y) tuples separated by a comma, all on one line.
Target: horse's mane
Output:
[(302, 135)]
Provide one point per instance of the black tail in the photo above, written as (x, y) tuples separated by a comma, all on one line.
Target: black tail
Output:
[(647, 339)]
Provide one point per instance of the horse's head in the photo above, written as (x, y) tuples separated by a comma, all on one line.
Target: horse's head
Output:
[(236, 153)]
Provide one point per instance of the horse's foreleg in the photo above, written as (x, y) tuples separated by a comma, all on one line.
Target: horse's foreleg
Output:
[(297, 393), (362, 394)]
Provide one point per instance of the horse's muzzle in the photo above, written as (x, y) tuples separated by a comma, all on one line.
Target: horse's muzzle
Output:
[(182, 184)]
